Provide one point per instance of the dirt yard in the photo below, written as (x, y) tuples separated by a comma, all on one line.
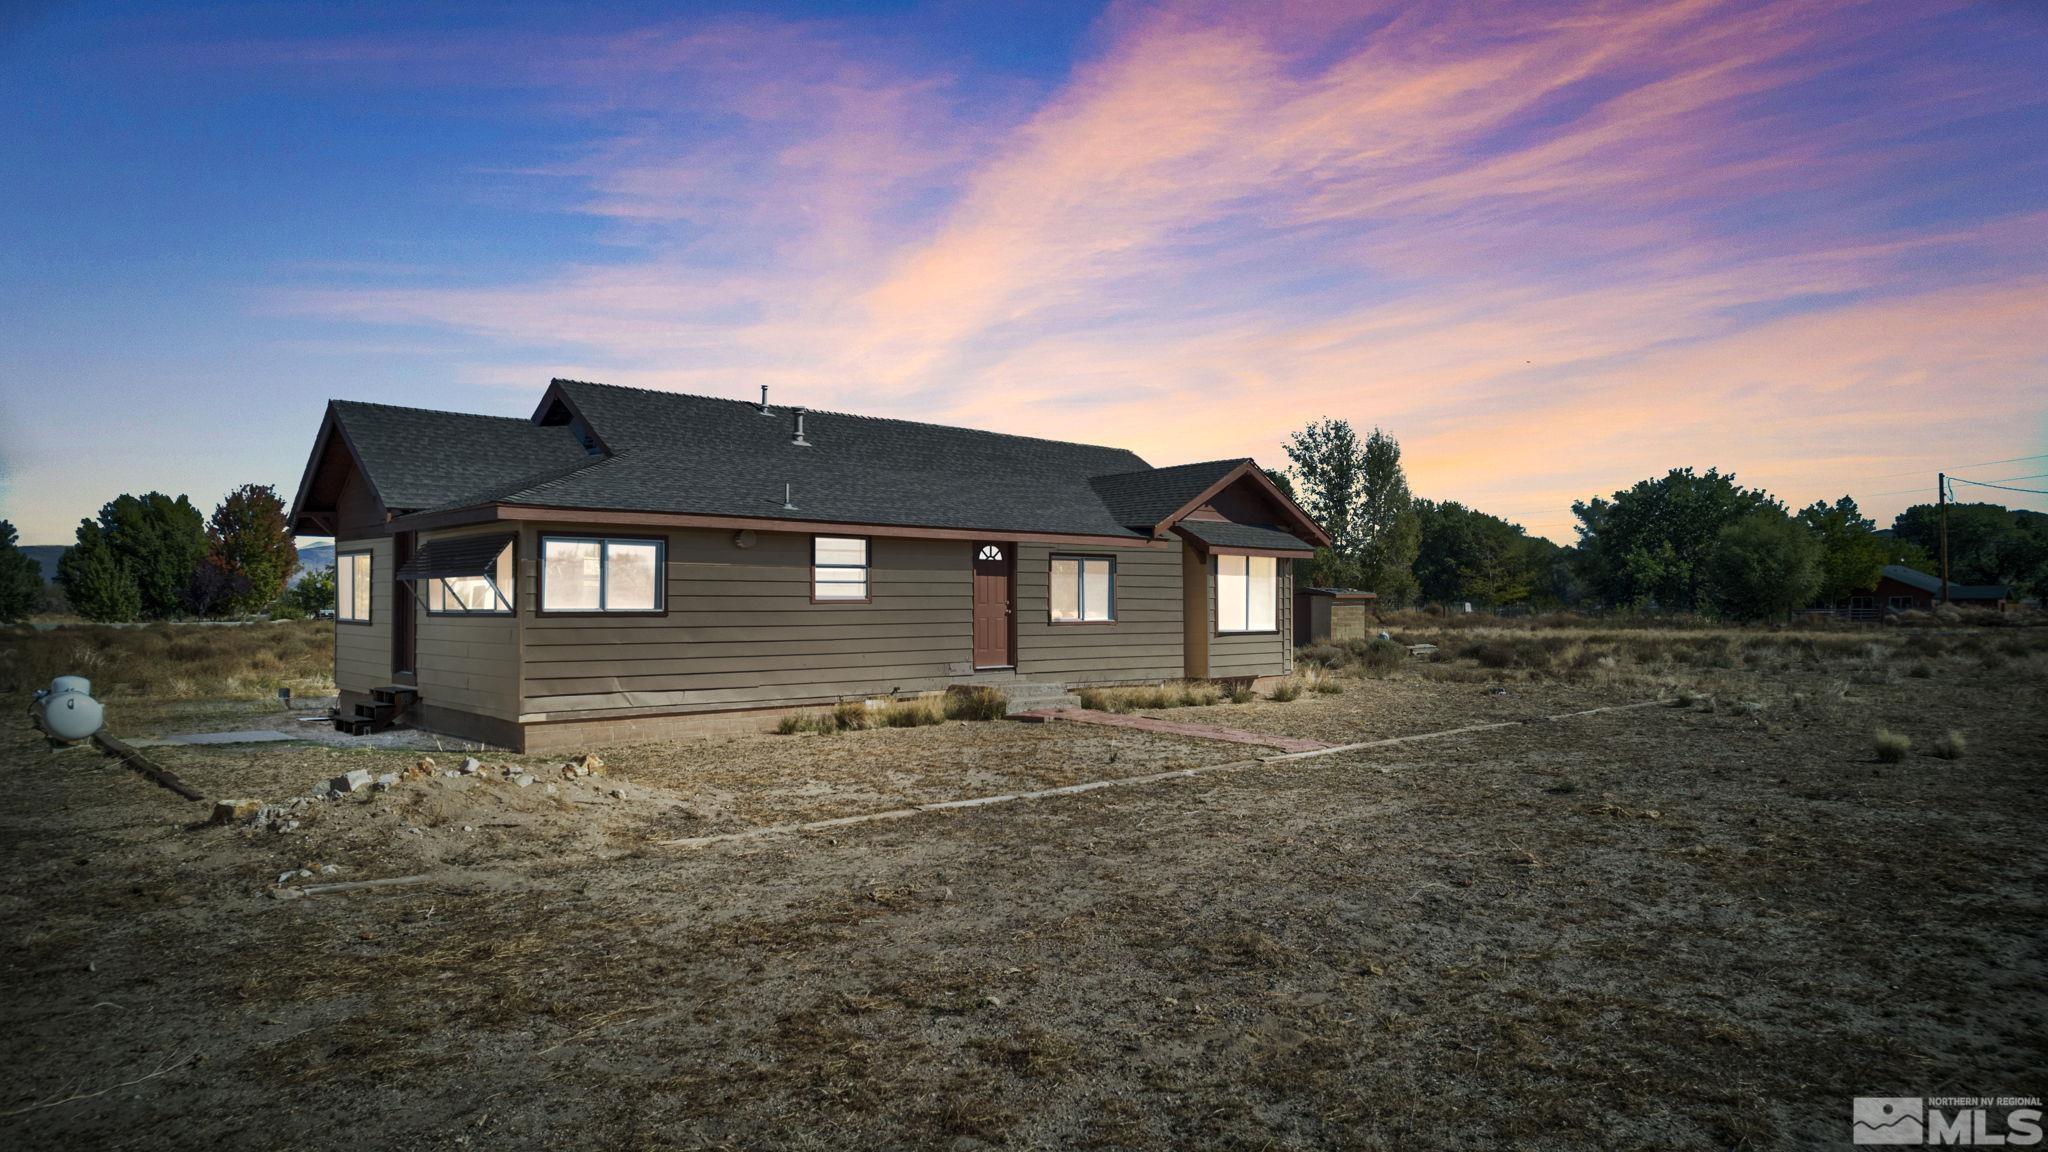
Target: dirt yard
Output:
[(1705, 924)]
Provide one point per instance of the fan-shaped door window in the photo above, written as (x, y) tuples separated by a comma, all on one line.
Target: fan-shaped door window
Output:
[(989, 552)]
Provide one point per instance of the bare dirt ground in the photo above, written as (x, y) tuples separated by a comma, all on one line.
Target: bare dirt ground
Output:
[(1702, 925)]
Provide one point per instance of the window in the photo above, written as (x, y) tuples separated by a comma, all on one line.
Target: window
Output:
[(989, 552), (1083, 589), (1901, 603), (474, 595), (583, 574), (839, 568), (352, 587), (1247, 594)]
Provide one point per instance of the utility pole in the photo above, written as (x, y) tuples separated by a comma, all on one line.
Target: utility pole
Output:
[(1941, 498)]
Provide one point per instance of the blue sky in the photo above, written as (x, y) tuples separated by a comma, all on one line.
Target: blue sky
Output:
[(1554, 250)]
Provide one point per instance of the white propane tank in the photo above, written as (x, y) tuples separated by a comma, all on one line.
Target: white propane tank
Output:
[(66, 710)]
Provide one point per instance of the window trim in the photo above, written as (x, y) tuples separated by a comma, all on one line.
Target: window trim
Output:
[(508, 605), (1216, 594), (867, 583), (369, 556), (540, 576), (1080, 590)]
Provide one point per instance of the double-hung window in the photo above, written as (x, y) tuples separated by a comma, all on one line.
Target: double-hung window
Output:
[(601, 574), (352, 587), (1247, 594), (1083, 589), (839, 568)]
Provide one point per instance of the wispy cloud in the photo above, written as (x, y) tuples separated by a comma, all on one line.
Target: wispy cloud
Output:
[(1555, 252)]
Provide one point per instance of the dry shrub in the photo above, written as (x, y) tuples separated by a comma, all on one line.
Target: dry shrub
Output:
[(911, 714), (1892, 747), (1324, 655), (1285, 690), (1145, 697), (1241, 694), (800, 722), (193, 660), (1951, 746), (976, 702), (851, 716), (1381, 656)]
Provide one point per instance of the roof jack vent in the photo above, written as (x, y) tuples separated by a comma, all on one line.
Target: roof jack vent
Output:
[(788, 498), (798, 437), (764, 409)]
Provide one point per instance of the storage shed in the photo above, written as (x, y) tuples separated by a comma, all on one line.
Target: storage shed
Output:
[(1337, 614)]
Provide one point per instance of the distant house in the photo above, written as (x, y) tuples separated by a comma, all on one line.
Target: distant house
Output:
[(646, 563), (1324, 614), (1900, 588)]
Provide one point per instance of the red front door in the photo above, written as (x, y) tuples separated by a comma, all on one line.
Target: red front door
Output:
[(993, 566)]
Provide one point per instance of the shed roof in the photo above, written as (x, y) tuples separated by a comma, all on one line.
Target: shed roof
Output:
[(1915, 578)]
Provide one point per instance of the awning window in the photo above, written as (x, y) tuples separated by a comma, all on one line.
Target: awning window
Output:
[(463, 575)]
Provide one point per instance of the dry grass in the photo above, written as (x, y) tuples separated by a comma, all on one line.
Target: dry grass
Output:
[(174, 661), (1151, 697), (1951, 746), (1892, 747), (976, 702)]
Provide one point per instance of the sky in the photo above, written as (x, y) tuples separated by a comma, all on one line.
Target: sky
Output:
[(1553, 248)]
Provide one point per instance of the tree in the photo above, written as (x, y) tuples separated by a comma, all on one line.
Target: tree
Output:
[(1466, 554), (1329, 473), (213, 590), (1987, 543), (248, 541), (314, 594), (149, 542), (1764, 565), (96, 582), (21, 579), (1282, 481), (1851, 553), (1650, 543), (1388, 533)]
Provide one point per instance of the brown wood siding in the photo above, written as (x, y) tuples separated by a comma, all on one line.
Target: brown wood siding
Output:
[(1145, 641), (741, 630), (468, 663), (1233, 654)]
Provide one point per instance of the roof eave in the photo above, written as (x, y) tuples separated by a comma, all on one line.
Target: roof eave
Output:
[(506, 511), (1248, 468)]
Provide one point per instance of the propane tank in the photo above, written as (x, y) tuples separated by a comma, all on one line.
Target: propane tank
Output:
[(66, 710)]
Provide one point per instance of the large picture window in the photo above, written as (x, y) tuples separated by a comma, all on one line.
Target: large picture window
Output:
[(352, 587), (1083, 589), (1247, 594), (601, 574), (474, 595), (839, 568)]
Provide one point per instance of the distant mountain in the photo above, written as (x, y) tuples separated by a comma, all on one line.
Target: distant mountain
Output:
[(312, 558)]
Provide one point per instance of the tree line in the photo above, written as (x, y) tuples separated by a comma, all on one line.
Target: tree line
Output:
[(1687, 541), (156, 557)]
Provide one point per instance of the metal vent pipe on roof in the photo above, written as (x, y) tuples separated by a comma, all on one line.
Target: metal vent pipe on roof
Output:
[(798, 437), (789, 497), (764, 409)]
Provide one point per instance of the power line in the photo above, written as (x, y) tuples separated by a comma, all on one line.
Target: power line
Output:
[(2000, 487), (1959, 467)]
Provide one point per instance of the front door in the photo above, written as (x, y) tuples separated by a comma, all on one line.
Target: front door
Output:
[(404, 631), (994, 565)]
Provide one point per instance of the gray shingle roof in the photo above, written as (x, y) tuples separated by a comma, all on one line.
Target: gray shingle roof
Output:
[(1220, 534), (666, 452), (422, 458), (457, 556), (1921, 580), (1150, 496)]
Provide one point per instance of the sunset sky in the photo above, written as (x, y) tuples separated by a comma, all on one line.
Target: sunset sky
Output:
[(1554, 248)]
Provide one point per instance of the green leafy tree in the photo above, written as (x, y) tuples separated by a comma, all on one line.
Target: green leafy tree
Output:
[(1650, 543), (1389, 533), (314, 594), (248, 540), (1851, 552), (1282, 481), (1466, 554), (95, 580), (21, 579), (1328, 473), (1764, 565), (1987, 543)]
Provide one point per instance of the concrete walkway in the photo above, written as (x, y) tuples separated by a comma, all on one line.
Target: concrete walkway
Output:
[(1170, 728)]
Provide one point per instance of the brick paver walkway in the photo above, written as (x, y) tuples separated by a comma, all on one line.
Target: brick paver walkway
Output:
[(1170, 728)]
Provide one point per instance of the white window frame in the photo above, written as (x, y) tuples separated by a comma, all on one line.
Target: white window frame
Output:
[(866, 568), (1250, 578), (1081, 605), (345, 609), (604, 565)]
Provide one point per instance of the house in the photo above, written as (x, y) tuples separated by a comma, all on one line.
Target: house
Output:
[(1339, 614), (1900, 588), (630, 563)]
